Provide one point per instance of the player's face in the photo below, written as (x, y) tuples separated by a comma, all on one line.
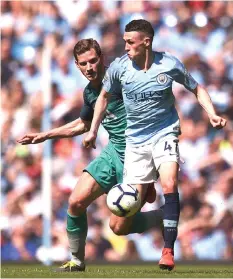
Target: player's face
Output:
[(135, 44), (90, 64)]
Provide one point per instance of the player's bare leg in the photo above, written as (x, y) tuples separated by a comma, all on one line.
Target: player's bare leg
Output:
[(141, 221), (84, 193), (169, 178)]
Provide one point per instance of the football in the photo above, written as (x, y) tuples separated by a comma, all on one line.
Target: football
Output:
[(123, 200)]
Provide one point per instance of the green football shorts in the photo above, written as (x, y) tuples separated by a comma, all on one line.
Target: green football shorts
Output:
[(107, 168)]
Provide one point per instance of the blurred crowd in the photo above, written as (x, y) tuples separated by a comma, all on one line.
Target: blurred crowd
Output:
[(201, 35)]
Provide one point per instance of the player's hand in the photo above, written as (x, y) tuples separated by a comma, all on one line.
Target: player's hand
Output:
[(217, 121), (32, 138), (89, 141)]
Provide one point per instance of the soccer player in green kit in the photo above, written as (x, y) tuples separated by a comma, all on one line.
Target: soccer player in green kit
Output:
[(107, 169)]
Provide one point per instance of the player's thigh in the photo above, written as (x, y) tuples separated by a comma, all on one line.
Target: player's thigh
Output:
[(139, 167), (166, 158), (85, 192), (106, 169)]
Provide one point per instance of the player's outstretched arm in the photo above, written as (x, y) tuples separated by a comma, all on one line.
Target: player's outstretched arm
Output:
[(100, 109), (204, 100), (74, 128)]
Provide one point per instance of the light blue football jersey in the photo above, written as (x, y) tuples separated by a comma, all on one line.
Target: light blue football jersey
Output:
[(148, 96)]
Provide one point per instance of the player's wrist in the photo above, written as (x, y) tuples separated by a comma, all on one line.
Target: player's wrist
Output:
[(211, 114), (47, 135), (94, 132)]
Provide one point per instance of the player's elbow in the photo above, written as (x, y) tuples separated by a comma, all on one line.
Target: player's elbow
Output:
[(81, 129), (199, 90)]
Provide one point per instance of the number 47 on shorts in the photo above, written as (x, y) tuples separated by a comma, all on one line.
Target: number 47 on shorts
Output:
[(171, 145)]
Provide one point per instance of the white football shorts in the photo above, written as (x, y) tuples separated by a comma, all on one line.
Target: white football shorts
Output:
[(142, 163)]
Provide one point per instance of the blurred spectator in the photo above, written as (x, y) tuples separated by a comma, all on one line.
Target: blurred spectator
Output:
[(200, 34), (30, 77), (97, 240), (131, 253), (205, 242), (7, 63), (193, 146), (150, 245)]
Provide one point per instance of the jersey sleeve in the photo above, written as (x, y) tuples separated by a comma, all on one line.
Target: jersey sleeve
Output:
[(182, 76), (87, 111), (111, 79)]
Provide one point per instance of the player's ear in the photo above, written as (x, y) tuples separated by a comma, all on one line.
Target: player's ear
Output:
[(76, 62), (147, 41)]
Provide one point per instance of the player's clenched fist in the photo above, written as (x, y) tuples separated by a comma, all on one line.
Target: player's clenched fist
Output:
[(217, 121), (89, 141), (32, 138)]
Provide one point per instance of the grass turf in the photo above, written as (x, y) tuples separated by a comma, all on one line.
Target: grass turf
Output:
[(118, 271)]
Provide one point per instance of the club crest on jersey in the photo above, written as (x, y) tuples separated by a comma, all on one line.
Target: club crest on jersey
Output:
[(162, 78)]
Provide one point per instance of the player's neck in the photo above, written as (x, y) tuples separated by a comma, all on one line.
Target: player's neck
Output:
[(145, 62), (149, 59), (97, 83)]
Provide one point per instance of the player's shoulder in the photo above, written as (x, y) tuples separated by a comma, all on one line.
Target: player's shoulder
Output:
[(120, 61), (123, 59), (168, 59)]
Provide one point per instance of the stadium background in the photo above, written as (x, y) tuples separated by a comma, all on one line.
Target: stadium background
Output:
[(201, 35)]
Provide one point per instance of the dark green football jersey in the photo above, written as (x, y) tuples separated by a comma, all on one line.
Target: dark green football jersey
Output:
[(114, 120)]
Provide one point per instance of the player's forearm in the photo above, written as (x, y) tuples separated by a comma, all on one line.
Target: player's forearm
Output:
[(74, 128), (100, 109), (204, 100)]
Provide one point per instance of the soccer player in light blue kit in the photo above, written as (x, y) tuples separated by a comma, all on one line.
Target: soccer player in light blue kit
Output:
[(153, 124)]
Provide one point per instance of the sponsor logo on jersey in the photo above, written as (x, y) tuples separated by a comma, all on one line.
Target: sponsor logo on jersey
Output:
[(146, 96), (108, 117), (162, 78)]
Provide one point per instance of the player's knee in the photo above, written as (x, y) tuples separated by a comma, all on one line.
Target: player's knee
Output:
[(76, 205), (169, 185), (118, 229)]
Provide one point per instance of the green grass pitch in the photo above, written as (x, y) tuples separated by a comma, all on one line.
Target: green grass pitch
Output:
[(118, 271)]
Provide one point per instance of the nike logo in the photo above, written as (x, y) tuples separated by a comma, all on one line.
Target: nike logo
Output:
[(128, 82)]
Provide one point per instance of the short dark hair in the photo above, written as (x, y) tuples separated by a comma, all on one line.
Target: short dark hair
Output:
[(85, 45), (140, 25)]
